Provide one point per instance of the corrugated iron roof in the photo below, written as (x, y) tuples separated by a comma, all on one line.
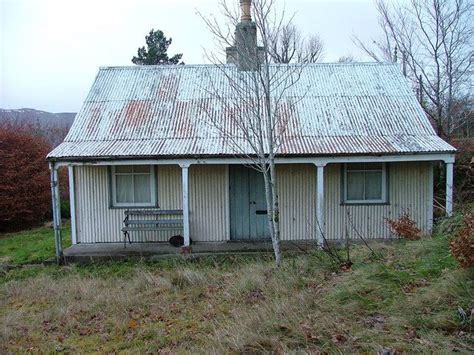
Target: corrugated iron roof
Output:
[(152, 111)]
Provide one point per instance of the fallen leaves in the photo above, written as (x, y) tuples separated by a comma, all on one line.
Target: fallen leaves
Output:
[(309, 334), (414, 285), (376, 321), (133, 324), (255, 296)]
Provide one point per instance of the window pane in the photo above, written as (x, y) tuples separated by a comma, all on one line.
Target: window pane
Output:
[(141, 169), (124, 188), (373, 166), (355, 166), (142, 188), (373, 186), (355, 186), (123, 169), (365, 166)]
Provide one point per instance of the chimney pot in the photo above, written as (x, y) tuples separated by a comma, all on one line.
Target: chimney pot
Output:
[(245, 6)]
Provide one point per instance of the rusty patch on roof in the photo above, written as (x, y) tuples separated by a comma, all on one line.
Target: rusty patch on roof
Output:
[(137, 112)]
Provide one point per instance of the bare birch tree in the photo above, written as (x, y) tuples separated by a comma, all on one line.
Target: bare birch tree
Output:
[(435, 40), (348, 58), (253, 99), (288, 45)]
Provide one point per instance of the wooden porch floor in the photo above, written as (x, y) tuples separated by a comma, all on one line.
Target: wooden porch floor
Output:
[(115, 251)]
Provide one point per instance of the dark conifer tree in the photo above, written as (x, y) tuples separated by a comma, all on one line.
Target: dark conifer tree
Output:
[(156, 51)]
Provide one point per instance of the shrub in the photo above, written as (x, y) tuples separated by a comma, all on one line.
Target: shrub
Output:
[(25, 197), (464, 169), (404, 227), (463, 177), (462, 245)]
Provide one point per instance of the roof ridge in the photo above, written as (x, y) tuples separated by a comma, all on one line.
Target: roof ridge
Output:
[(189, 66)]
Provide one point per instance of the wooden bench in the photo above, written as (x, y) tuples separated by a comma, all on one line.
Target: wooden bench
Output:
[(134, 222)]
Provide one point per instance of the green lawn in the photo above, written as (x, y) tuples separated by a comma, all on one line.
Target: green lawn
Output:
[(31, 246), (409, 297)]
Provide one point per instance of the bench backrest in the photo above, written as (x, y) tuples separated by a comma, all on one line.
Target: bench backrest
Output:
[(152, 212)]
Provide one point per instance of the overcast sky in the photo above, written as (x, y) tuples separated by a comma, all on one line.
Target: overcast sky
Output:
[(50, 50)]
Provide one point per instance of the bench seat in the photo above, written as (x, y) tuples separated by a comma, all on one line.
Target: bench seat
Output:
[(159, 221), (150, 229), (149, 225), (153, 212)]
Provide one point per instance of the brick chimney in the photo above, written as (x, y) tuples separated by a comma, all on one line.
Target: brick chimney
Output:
[(245, 53)]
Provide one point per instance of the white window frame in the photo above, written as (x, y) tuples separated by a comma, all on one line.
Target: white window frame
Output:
[(383, 200), (153, 200)]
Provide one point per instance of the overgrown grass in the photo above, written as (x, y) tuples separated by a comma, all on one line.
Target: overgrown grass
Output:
[(30, 246), (405, 299)]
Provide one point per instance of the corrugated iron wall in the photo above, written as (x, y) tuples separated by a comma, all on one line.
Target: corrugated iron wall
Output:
[(209, 200), (297, 191), (408, 190), (97, 222), (209, 203)]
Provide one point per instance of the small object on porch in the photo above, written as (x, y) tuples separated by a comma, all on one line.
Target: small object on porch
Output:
[(177, 241), (150, 222)]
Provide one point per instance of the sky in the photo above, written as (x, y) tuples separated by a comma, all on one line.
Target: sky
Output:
[(50, 50)]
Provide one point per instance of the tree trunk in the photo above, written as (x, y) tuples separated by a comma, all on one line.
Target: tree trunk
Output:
[(276, 212), (270, 214)]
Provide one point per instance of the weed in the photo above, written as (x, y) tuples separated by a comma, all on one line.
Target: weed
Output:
[(462, 245), (404, 227)]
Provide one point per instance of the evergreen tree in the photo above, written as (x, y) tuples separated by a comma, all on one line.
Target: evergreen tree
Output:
[(156, 51)]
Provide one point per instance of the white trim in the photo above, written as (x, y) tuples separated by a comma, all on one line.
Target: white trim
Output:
[(383, 198), (227, 198), (185, 182), (320, 224), (58, 196), (153, 183), (449, 188), (56, 203), (72, 203), (447, 157), (430, 197)]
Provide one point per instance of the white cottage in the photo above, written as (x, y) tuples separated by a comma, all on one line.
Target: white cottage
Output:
[(359, 150)]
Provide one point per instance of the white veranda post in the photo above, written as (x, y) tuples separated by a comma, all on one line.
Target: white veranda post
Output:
[(56, 202), (320, 226), (72, 202), (185, 182), (449, 188)]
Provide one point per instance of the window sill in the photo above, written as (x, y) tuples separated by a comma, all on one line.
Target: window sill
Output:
[(132, 207), (365, 204)]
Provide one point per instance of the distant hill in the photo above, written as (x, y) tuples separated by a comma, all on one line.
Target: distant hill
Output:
[(53, 126), (37, 117)]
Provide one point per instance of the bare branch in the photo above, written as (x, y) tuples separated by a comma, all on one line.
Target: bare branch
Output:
[(437, 39)]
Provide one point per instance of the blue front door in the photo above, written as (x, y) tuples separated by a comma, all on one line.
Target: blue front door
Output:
[(248, 209)]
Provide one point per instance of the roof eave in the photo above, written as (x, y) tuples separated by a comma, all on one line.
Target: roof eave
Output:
[(91, 159)]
